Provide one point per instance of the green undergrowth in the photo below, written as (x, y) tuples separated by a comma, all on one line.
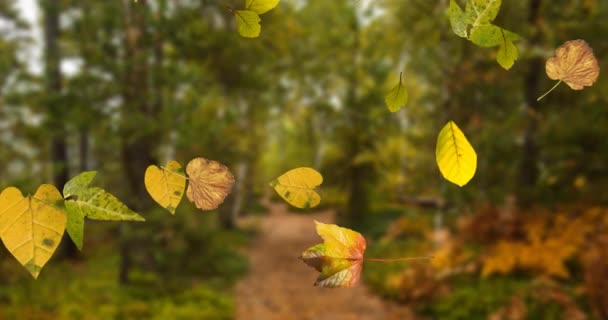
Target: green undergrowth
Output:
[(182, 273)]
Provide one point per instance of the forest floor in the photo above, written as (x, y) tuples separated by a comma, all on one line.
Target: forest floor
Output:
[(280, 287)]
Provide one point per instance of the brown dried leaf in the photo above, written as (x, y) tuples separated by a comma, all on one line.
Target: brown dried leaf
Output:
[(574, 64), (210, 182)]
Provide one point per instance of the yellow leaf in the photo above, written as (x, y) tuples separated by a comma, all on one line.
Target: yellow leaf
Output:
[(455, 156), (261, 6), (397, 97), (166, 185), (31, 227), (296, 186), (248, 23), (210, 183)]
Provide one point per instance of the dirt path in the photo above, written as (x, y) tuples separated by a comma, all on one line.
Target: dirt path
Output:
[(280, 287)]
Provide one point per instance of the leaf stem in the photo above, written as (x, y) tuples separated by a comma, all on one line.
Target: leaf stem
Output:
[(546, 93), (400, 74), (397, 259)]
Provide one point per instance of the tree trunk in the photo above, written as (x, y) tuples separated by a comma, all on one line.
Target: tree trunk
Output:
[(528, 170), (56, 122), (137, 117)]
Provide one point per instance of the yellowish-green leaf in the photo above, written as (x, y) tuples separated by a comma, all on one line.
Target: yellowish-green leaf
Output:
[(397, 97), (31, 227), (261, 6), (82, 201), (297, 186), (507, 54), (457, 19), (248, 23), (166, 185), (480, 12), (455, 156)]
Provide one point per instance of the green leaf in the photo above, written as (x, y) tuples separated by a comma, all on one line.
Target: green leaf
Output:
[(455, 156), (480, 12), (487, 35), (82, 201), (261, 6), (78, 184), (507, 54), (248, 23), (96, 203), (458, 19), (75, 224), (397, 97)]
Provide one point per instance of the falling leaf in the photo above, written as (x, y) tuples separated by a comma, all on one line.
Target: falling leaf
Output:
[(94, 203), (297, 186), (31, 227), (339, 258), (456, 157), (261, 6), (480, 12), (457, 19), (166, 185), (507, 54), (397, 97), (210, 182), (574, 64), (479, 15), (489, 35), (248, 23)]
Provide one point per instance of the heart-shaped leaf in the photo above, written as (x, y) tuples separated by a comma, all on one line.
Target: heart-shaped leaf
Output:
[(210, 182), (166, 185), (297, 186), (31, 227)]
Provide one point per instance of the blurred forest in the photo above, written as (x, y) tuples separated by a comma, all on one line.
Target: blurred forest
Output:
[(117, 85)]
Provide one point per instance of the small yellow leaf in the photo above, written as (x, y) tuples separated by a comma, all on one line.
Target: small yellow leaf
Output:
[(574, 64), (248, 23), (296, 186), (261, 6), (455, 156), (166, 185), (31, 227), (397, 97), (210, 183)]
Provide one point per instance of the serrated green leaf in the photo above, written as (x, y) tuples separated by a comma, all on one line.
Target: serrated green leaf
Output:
[(261, 6), (487, 35), (480, 12), (248, 23), (458, 19), (78, 184), (96, 203), (397, 97), (455, 156), (75, 223), (507, 54)]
